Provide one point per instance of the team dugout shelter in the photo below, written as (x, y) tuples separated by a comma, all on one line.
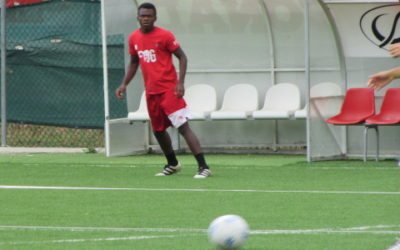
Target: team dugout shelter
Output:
[(323, 47)]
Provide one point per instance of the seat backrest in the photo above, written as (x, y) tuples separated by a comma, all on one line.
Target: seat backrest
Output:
[(391, 103), (282, 96), (201, 97), (240, 97), (358, 102), (325, 89), (143, 103)]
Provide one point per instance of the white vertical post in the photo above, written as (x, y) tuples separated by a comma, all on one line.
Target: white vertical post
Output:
[(273, 69), (307, 73), (105, 78), (3, 55)]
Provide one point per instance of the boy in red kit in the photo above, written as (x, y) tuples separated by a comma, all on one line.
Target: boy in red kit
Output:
[(152, 47)]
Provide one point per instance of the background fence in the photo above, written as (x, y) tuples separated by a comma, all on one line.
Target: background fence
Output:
[(54, 74)]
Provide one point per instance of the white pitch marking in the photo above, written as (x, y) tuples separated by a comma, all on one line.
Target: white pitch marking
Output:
[(196, 190), (359, 229), (86, 165), (395, 246), (352, 230), (86, 240), (225, 167), (121, 229), (372, 227), (320, 231)]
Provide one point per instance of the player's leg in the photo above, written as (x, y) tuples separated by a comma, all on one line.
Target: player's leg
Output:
[(194, 145), (177, 112), (190, 138), (160, 123), (164, 140)]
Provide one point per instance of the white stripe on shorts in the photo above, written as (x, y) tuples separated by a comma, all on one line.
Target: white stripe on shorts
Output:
[(179, 117)]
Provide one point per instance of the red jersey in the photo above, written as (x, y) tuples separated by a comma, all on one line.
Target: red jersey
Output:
[(154, 50)]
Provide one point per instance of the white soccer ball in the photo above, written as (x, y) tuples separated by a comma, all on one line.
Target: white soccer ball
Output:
[(228, 231)]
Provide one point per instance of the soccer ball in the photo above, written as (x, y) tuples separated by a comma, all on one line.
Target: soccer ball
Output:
[(228, 231)]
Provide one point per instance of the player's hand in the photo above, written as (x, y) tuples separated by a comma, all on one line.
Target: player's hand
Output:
[(180, 90), (379, 80), (394, 50), (119, 92)]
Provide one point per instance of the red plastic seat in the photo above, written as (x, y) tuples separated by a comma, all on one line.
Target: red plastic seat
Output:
[(388, 115), (390, 109), (357, 106)]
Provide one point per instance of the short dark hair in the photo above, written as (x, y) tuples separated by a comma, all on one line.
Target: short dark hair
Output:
[(148, 6)]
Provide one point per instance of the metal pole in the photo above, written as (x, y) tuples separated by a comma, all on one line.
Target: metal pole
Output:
[(343, 68), (307, 73), (273, 68), (105, 77), (3, 73)]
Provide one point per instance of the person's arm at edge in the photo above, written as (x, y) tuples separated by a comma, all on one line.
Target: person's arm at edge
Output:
[(131, 71), (180, 87), (381, 79), (394, 50)]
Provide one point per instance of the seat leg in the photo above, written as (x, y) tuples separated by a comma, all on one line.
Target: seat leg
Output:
[(365, 142), (366, 127), (377, 143)]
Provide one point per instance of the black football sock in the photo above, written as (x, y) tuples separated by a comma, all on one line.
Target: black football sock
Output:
[(171, 158), (201, 161)]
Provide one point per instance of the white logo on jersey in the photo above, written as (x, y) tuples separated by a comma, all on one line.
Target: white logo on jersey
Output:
[(148, 55)]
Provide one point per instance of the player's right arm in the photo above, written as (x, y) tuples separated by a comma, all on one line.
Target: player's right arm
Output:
[(130, 73)]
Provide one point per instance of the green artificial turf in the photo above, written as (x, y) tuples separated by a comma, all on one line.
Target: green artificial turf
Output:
[(88, 201)]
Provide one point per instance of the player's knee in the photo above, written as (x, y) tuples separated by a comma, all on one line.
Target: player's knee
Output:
[(184, 128), (159, 134)]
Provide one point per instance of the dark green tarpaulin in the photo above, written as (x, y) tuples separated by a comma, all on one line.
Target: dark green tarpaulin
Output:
[(54, 65)]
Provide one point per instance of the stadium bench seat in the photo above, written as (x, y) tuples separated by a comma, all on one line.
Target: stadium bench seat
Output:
[(281, 101), (239, 102), (320, 90), (141, 113), (201, 100)]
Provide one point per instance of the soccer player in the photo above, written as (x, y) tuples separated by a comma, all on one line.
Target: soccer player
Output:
[(152, 48)]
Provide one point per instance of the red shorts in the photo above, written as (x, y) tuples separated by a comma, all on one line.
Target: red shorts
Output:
[(166, 109)]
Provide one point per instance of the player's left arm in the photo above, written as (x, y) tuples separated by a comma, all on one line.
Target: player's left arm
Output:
[(180, 88)]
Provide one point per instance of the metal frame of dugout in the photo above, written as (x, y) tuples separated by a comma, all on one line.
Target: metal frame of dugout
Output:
[(264, 43)]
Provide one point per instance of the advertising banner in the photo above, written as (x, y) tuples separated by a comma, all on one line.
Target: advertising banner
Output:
[(367, 29)]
